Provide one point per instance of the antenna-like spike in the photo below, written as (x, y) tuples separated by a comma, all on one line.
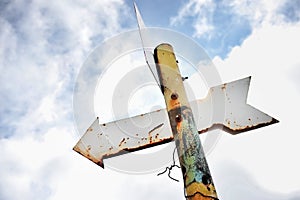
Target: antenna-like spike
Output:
[(147, 52), (139, 18)]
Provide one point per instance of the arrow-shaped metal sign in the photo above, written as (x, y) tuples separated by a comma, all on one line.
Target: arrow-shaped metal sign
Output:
[(127, 135)]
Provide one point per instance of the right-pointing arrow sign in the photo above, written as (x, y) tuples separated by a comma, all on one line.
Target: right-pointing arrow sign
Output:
[(224, 107)]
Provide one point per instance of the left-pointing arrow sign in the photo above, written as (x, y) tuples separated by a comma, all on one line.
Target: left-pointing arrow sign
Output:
[(106, 140)]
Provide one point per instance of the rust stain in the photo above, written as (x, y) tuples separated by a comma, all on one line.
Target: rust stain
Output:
[(90, 129), (178, 127), (224, 86), (88, 156), (234, 131), (144, 146), (162, 141), (203, 130), (122, 142), (174, 104), (89, 147), (100, 163)]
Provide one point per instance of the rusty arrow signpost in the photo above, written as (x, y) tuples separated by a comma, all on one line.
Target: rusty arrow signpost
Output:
[(184, 123)]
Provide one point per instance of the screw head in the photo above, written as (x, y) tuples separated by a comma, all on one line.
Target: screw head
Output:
[(174, 96), (178, 118)]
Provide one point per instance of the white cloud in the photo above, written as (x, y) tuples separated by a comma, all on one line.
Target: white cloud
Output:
[(202, 27), (203, 15), (256, 11), (269, 55), (202, 11), (29, 166), (43, 44), (242, 185)]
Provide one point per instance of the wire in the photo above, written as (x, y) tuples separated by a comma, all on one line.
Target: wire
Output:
[(170, 168)]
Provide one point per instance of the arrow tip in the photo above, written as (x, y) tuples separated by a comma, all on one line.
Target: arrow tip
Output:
[(88, 156)]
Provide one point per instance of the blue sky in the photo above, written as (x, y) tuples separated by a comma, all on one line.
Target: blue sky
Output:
[(230, 27), (44, 44)]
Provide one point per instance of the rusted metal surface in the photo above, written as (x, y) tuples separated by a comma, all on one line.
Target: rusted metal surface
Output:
[(142, 131), (225, 107), (123, 136), (195, 170)]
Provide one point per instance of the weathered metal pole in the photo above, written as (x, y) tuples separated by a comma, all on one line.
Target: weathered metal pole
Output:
[(197, 178)]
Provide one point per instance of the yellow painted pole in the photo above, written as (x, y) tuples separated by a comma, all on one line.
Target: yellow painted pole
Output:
[(198, 182)]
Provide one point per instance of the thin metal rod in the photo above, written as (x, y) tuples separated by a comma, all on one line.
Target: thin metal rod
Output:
[(141, 25)]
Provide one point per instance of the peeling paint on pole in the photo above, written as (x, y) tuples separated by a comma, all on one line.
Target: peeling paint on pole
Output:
[(195, 170)]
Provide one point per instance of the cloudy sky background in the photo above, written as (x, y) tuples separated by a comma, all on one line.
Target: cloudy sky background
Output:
[(43, 45)]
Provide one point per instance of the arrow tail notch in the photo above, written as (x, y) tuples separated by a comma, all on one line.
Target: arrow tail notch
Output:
[(225, 107)]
